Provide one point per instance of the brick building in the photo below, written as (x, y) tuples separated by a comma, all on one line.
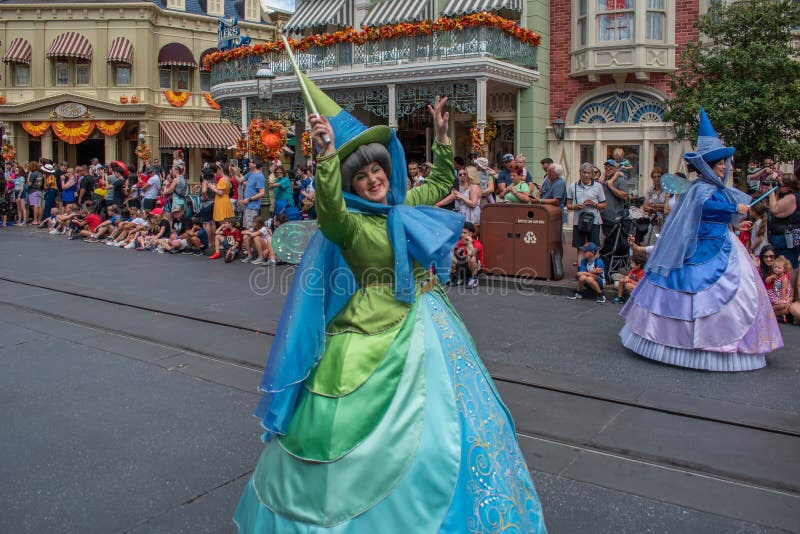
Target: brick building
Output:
[(610, 62)]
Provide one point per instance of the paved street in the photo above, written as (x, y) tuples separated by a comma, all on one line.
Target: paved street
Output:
[(127, 381)]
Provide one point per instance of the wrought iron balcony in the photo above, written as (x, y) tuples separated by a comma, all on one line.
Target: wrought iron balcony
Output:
[(441, 46)]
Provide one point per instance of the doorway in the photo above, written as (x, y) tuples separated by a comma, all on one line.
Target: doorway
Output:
[(91, 148)]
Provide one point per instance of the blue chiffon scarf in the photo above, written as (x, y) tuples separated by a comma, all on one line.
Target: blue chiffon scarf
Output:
[(423, 233)]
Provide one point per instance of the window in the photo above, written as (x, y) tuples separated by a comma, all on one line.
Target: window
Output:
[(587, 154), (175, 78), (22, 75), (656, 19), (582, 30), (82, 74), (215, 7), (615, 20), (205, 81), (661, 156), (123, 74), (251, 10), (165, 78), (62, 73), (176, 4)]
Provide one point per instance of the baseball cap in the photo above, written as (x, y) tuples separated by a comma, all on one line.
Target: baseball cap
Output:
[(591, 247), (482, 163), (611, 162), (508, 157)]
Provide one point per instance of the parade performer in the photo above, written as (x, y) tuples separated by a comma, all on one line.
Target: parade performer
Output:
[(379, 415), (701, 303)]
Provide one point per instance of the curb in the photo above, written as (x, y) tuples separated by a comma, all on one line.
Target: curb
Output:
[(534, 286)]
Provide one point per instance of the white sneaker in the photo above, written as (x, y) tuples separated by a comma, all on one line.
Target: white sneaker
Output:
[(112, 243), (53, 231), (132, 244), (160, 250), (259, 261), (247, 259), (272, 263)]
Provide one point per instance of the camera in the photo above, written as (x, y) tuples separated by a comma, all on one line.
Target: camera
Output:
[(461, 254), (772, 182)]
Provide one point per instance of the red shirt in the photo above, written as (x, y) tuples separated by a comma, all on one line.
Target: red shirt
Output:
[(636, 274), (478, 248), (93, 220), (233, 237)]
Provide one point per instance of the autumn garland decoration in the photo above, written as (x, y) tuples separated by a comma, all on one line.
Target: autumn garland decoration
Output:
[(143, 151), (489, 134), (210, 101), (177, 99), (305, 144), (391, 31), (9, 152), (266, 139)]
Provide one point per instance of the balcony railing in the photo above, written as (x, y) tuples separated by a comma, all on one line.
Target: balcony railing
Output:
[(452, 45)]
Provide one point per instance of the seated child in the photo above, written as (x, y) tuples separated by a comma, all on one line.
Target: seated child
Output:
[(779, 287), (467, 258), (628, 283), (85, 225), (228, 238), (198, 237), (591, 273), (63, 221), (258, 244), (106, 227), (52, 221)]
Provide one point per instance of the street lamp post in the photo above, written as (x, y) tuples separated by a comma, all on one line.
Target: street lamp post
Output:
[(264, 79), (558, 127)]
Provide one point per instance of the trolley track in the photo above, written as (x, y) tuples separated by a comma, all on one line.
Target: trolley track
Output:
[(536, 439)]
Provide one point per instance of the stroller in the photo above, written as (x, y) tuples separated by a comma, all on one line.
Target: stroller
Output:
[(614, 250)]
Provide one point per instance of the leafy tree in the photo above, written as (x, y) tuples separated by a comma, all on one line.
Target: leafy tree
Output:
[(744, 68)]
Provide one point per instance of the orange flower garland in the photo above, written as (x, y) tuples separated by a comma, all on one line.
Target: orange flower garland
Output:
[(305, 144), (35, 128), (9, 152), (241, 148), (73, 132), (479, 143), (110, 127), (350, 35), (143, 151), (177, 99), (210, 101), (260, 131)]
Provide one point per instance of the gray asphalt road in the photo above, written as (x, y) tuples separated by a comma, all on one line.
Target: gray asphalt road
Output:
[(128, 414)]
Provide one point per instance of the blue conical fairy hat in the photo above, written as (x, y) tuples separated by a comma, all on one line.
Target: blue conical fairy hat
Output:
[(709, 145)]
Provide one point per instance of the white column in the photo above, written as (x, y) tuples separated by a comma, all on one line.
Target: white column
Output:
[(47, 144), (481, 96), (392, 105), (245, 118), (111, 148)]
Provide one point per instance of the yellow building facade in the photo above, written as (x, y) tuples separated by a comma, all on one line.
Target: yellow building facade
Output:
[(119, 71)]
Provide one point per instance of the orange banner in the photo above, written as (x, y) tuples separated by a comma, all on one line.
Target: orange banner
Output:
[(73, 132), (210, 101), (35, 129), (177, 99), (109, 127)]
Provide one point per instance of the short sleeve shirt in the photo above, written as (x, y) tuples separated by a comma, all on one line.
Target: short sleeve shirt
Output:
[(255, 182), (522, 187), (579, 193)]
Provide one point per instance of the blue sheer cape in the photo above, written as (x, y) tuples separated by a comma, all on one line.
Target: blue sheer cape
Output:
[(678, 240), (421, 233)]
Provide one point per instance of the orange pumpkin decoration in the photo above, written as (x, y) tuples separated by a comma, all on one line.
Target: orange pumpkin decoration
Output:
[(123, 99), (271, 140), (2, 100), (134, 99)]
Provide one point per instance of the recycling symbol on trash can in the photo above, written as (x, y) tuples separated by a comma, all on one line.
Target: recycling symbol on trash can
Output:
[(530, 238)]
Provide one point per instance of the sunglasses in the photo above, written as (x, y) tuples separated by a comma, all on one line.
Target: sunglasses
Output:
[(768, 256)]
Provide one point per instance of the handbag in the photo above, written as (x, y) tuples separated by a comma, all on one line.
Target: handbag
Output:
[(585, 218), (792, 236)]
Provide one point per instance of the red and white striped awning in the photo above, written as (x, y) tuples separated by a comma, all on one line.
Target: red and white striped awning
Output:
[(120, 51), (176, 55), (221, 134), (18, 51), (70, 44), (174, 134)]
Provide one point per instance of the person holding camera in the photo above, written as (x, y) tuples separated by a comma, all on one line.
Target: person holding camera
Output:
[(784, 217), (587, 197), (467, 258)]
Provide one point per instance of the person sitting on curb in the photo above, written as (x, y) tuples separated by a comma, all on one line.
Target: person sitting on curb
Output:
[(229, 239), (198, 237), (467, 258), (628, 283), (591, 273)]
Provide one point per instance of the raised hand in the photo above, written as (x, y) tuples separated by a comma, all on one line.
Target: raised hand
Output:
[(322, 131), (441, 120)]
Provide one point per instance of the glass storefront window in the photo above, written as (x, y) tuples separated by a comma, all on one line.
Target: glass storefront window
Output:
[(661, 157), (587, 154), (631, 153)]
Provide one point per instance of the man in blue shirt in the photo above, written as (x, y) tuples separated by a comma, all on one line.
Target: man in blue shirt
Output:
[(254, 189)]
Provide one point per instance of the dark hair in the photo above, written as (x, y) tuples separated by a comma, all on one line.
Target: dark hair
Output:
[(126, 213), (761, 266), (458, 160), (712, 163), (197, 221), (546, 160), (639, 257), (469, 226)]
